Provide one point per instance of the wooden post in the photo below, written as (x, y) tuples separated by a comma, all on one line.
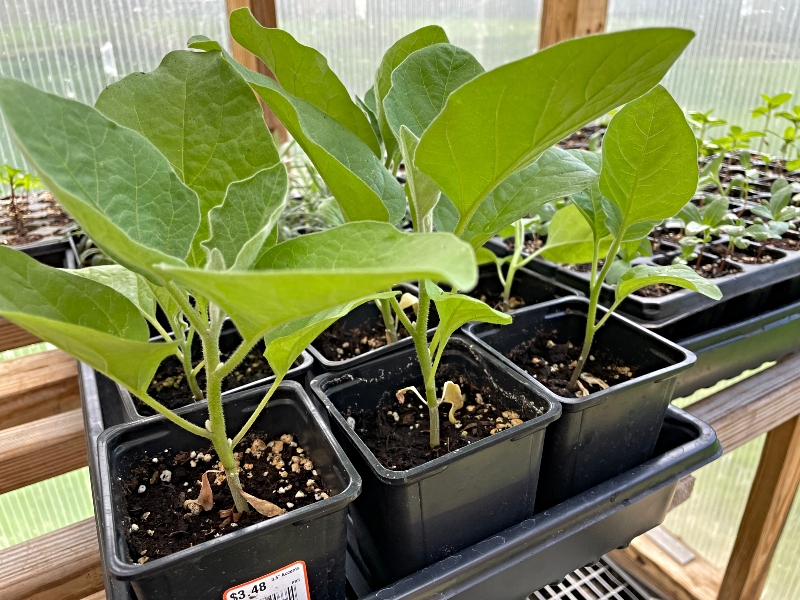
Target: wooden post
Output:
[(567, 19), (771, 496), (265, 13)]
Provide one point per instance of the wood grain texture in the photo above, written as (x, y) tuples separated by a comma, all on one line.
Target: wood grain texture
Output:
[(12, 336), (753, 406), (37, 386), (101, 595), (42, 449), (698, 580), (62, 565), (567, 19), (768, 505)]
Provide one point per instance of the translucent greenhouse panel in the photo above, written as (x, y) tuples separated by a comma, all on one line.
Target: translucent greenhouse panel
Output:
[(75, 48), (353, 34), (743, 48)]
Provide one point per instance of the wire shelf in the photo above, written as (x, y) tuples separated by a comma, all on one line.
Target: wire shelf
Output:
[(600, 581)]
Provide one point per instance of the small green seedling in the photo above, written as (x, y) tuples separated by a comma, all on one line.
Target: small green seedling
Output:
[(202, 246), (705, 222), (701, 122), (17, 179), (738, 237), (648, 172), (766, 110), (776, 213)]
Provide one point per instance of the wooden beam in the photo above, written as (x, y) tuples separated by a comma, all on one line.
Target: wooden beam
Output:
[(101, 595), (697, 580), (42, 449), (13, 336), (265, 13), (62, 565), (771, 496), (567, 19), (753, 406), (37, 386)]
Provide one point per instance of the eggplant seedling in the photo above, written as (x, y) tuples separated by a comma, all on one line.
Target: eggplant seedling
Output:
[(704, 222), (202, 245), (648, 172), (17, 179), (766, 110)]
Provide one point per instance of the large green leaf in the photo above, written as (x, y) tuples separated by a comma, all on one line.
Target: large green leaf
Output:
[(421, 190), (445, 215), (396, 54), (364, 189), (590, 200), (649, 160), (555, 174), (201, 115), (86, 319), (285, 343), (504, 119), (131, 285), (303, 72), (318, 271), (110, 179), (422, 83), (680, 275), (570, 239), (455, 310), (241, 225)]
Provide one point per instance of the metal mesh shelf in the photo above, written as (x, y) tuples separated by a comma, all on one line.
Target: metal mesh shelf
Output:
[(600, 581)]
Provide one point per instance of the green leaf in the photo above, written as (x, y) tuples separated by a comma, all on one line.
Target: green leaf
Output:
[(364, 189), (445, 215), (690, 212), (241, 225), (110, 179), (303, 72), (134, 287), (678, 275), (421, 190), (86, 319), (455, 310), (484, 256), (201, 115), (715, 211), (556, 174), (570, 239), (793, 165), (590, 200), (286, 342), (396, 54), (422, 83), (373, 119), (649, 160), (504, 119), (320, 270)]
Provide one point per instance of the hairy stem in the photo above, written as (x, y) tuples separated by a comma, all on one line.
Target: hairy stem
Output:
[(388, 319), (420, 336)]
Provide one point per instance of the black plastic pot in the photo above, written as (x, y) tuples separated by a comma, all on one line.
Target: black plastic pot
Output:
[(543, 549), (314, 534), (229, 340), (608, 432), (52, 253), (531, 287), (406, 520), (726, 351)]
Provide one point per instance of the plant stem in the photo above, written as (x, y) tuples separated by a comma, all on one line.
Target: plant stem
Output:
[(261, 406), (171, 416), (388, 319), (188, 369), (420, 336), (519, 241)]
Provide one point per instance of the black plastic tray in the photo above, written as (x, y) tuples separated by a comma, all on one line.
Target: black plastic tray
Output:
[(527, 556), (52, 253), (541, 550)]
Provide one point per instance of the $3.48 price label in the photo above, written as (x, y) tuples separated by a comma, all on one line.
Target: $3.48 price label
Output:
[(288, 583)]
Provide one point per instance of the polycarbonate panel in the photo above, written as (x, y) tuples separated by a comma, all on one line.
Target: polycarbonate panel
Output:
[(743, 48), (75, 48), (354, 34)]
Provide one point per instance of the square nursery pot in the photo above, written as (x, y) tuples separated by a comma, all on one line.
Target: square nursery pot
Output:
[(546, 547), (605, 433), (406, 520), (314, 534), (228, 342)]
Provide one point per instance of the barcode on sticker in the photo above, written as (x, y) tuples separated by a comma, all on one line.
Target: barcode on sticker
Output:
[(288, 583)]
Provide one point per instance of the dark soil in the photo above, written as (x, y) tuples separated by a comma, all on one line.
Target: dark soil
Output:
[(158, 524), (709, 268), (585, 267), (170, 387), (39, 218), (551, 364), (786, 243), (749, 256), (340, 342), (580, 139), (494, 298), (658, 290), (531, 245), (403, 442)]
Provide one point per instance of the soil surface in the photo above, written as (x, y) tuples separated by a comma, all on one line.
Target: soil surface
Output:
[(170, 387), (551, 364), (580, 139), (659, 290), (787, 243), (531, 245), (749, 256), (709, 268), (39, 217), (159, 522), (398, 431), (340, 342), (494, 298)]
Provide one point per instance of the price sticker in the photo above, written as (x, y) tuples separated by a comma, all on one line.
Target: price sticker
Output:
[(288, 583)]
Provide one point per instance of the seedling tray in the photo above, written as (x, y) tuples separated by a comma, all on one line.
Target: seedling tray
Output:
[(52, 253), (529, 555)]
